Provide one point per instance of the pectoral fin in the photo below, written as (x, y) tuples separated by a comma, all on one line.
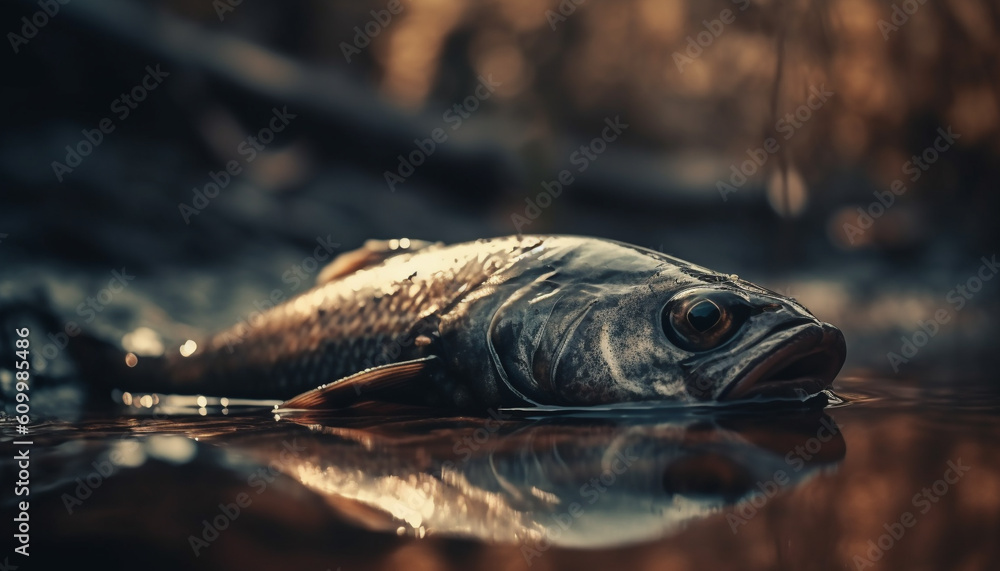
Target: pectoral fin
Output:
[(372, 253), (394, 381)]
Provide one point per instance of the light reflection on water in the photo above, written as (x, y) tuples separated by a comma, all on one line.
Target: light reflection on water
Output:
[(795, 489)]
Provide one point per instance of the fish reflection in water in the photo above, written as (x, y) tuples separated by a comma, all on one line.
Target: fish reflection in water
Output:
[(568, 482), (571, 484)]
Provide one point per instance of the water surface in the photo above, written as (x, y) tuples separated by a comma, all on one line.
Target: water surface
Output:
[(896, 477)]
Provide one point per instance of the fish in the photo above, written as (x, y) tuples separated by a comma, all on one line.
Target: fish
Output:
[(517, 321)]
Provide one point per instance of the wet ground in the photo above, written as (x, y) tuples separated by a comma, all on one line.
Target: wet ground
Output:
[(898, 478)]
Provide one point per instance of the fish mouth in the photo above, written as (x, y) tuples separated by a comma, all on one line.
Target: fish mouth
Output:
[(804, 365)]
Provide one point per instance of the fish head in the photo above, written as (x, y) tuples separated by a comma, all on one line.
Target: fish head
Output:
[(680, 333)]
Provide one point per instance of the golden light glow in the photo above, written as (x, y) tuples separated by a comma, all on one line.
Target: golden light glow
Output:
[(412, 53), (188, 348), (787, 194), (143, 341)]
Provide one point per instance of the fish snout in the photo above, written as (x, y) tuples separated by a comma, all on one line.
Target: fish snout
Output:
[(803, 360)]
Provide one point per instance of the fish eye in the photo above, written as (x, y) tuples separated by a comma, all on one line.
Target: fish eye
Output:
[(700, 320), (703, 315)]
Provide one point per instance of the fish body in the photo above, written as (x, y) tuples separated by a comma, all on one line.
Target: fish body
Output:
[(515, 321)]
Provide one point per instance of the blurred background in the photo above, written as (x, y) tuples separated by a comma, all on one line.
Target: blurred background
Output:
[(209, 148)]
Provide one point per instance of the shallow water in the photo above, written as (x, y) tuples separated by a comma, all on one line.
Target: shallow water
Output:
[(896, 477)]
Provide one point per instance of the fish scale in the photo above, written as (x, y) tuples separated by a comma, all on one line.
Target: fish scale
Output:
[(340, 327), (515, 321)]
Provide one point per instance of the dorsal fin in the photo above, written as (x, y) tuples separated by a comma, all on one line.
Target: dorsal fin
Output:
[(372, 253), (366, 385)]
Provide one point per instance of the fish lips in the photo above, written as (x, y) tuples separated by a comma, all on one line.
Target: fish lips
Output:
[(801, 359)]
